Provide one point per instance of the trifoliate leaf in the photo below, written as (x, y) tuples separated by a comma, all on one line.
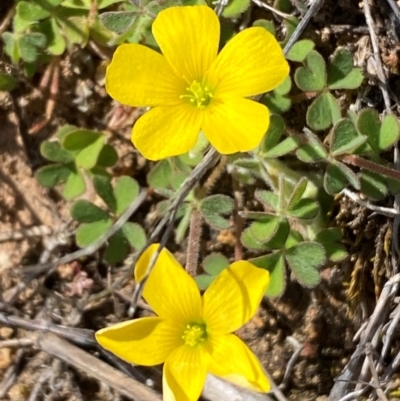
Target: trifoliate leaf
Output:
[(87, 212), (125, 192), (311, 77), (87, 233)]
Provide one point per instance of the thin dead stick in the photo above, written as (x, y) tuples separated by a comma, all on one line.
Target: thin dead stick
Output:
[(16, 343), (269, 8), (375, 46), (395, 8), (352, 369), (83, 337), (93, 367), (386, 211), (292, 361), (374, 373), (11, 373), (314, 8)]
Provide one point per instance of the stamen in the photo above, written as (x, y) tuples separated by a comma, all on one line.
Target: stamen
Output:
[(194, 334)]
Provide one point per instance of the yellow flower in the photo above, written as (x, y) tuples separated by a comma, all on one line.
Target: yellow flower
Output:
[(190, 88), (192, 334)]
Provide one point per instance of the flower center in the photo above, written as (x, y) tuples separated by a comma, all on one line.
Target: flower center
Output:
[(194, 334), (199, 94)]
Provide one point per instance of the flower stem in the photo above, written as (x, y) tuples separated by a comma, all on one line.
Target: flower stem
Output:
[(193, 251), (371, 166)]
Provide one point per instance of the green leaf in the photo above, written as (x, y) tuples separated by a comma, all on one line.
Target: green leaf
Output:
[(214, 263), (29, 44), (126, 190), (213, 207), (334, 179), (50, 176), (75, 185), (64, 130), (118, 21), (285, 87), (345, 138), (268, 25), (11, 47), (88, 143), (7, 82), (322, 112), (108, 156), (75, 29), (235, 7), (352, 177), (274, 133), (53, 151), (329, 238), (103, 187), (267, 198), (183, 225), (311, 77), (30, 11), (304, 209), (159, 175), (304, 260), (276, 103), (250, 242), (373, 185), (117, 249), (55, 40), (286, 146), (351, 81), (298, 192), (389, 132), (203, 281), (274, 263), (340, 67), (300, 50), (313, 151), (87, 233), (135, 235), (87, 212)]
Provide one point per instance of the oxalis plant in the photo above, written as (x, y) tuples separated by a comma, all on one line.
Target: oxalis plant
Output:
[(276, 200)]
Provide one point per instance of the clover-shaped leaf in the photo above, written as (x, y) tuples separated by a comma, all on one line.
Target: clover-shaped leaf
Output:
[(380, 136), (135, 235), (213, 208), (87, 212), (323, 112), (330, 239), (278, 101), (126, 190), (274, 263), (300, 50), (304, 259), (311, 77), (373, 185), (313, 151), (53, 151), (341, 74), (87, 144), (345, 138), (87, 233)]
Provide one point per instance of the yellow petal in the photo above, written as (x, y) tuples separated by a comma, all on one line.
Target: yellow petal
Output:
[(170, 290), (139, 76), (235, 124), (232, 360), (251, 63), (188, 38), (167, 131), (184, 374), (147, 341), (233, 298)]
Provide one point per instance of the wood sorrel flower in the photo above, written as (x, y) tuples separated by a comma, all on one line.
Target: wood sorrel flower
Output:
[(192, 334), (190, 88)]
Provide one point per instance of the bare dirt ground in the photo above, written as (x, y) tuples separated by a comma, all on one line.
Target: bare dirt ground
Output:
[(318, 325)]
